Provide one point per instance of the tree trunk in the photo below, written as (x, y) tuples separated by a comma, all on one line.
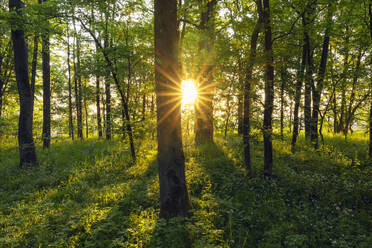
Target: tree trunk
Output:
[(370, 111), (308, 82), (25, 137), (283, 75), (299, 83), (98, 103), (204, 101), (46, 88), (317, 90), (174, 198), (86, 111), (269, 91), (78, 90), (240, 114), (70, 118), (248, 89), (33, 67)]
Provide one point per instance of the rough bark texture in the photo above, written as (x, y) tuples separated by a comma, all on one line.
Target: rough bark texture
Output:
[(25, 138), (299, 83), (248, 89), (204, 101), (174, 198), (33, 67), (370, 111), (269, 91), (46, 88)]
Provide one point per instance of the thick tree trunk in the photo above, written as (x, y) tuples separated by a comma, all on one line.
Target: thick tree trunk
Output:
[(248, 88), (33, 67), (70, 119), (46, 89), (299, 83), (370, 111), (204, 101), (269, 91), (174, 198), (25, 137)]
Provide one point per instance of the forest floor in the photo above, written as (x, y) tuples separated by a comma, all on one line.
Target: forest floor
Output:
[(88, 194)]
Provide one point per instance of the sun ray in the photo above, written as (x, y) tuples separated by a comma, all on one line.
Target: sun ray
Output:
[(189, 92)]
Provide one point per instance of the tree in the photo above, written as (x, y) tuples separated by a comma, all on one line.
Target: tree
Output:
[(46, 87), (269, 91), (204, 101), (174, 198), (25, 139), (248, 87)]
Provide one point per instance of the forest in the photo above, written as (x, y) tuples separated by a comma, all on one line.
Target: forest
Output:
[(186, 123)]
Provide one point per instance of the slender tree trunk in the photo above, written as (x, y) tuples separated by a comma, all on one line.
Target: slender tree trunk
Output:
[(174, 198), (248, 89), (25, 137), (307, 105), (98, 102), (86, 111), (46, 89), (70, 118), (317, 90), (144, 103), (299, 83), (240, 114), (78, 90), (269, 91), (108, 108), (283, 75), (204, 101)]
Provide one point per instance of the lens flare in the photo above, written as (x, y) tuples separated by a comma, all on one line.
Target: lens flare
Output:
[(189, 92)]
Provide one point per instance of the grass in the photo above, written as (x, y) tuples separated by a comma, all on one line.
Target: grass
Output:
[(89, 194)]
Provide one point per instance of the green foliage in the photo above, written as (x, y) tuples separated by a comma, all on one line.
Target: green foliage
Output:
[(89, 195)]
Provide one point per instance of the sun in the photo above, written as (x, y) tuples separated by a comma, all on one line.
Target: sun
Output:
[(189, 92)]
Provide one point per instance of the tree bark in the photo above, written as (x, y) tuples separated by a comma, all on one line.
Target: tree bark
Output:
[(33, 67), (46, 88), (70, 119), (370, 110), (174, 198), (283, 77), (78, 90), (269, 91), (317, 90), (248, 89), (204, 101), (25, 137), (299, 83)]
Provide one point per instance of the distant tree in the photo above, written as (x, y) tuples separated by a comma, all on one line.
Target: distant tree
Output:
[(174, 198)]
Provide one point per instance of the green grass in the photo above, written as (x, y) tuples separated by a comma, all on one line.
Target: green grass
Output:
[(90, 195)]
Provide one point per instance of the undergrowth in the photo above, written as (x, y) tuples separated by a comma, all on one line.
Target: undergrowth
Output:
[(89, 194)]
